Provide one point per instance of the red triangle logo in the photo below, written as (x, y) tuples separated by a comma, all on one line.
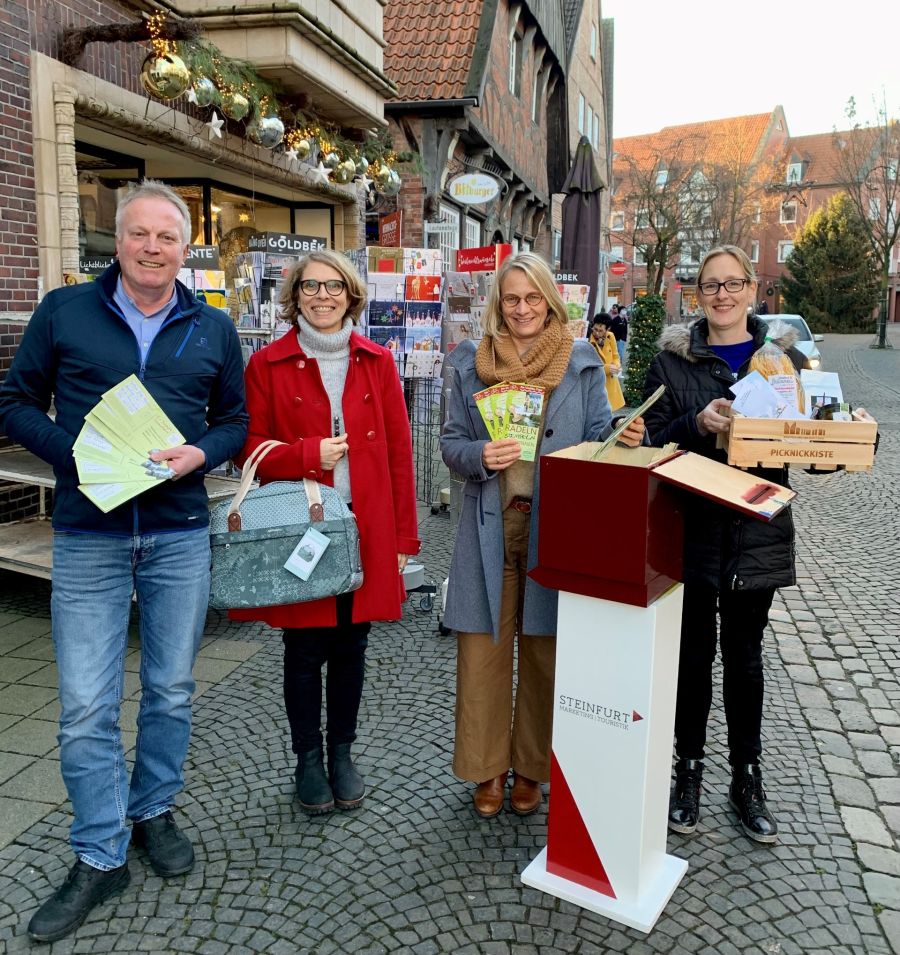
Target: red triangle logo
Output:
[(570, 850), (635, 716)]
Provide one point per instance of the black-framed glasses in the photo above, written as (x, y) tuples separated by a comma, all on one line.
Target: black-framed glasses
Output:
[(333, 287), (511, 301), (730, 285)]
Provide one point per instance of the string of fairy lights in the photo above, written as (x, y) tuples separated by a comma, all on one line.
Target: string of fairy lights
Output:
[(212, 81)]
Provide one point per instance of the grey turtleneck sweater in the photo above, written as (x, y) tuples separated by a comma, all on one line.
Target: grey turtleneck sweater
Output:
[(332, 353)]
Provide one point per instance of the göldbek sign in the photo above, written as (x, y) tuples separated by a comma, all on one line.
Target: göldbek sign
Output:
[(473, 188)]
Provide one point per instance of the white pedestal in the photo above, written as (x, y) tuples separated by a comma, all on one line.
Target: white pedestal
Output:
[(614, 713)]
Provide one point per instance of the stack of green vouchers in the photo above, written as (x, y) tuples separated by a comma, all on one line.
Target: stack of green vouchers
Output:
[(112, 451)]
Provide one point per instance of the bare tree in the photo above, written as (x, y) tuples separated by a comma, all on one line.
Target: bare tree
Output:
[(868, 168), (656, 186)]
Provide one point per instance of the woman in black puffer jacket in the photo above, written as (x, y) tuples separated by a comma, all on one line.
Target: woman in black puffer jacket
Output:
[(732, 563)]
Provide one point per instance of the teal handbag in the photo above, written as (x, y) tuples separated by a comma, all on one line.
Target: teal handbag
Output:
[(252, 537)]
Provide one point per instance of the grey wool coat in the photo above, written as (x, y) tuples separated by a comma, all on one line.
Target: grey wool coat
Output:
[(577, 411)]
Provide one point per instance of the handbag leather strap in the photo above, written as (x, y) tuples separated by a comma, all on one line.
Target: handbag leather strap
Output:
[(312, 489)]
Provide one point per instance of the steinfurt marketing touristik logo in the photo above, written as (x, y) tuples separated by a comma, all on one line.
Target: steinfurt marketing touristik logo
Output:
[(594, 711)]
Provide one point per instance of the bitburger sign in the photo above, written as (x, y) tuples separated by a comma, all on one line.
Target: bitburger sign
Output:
[(473, 188)]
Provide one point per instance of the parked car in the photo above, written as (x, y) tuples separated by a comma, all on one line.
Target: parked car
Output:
[(806, 342)]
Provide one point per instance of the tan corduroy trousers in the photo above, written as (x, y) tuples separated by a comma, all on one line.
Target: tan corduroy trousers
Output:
[(496, 730)]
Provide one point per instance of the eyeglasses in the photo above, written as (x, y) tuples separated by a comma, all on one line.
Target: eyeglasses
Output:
[(333, 287), (730, 285), (511, 301)]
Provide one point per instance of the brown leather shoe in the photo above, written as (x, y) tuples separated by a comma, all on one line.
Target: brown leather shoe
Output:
[(526, 796), (488, 796)]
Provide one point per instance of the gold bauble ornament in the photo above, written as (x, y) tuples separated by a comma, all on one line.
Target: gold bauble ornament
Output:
[(267, 132), (344, 172), (392, 186), (235, 105), (382, 176), (165, 77), (303, 148), (331, 160)]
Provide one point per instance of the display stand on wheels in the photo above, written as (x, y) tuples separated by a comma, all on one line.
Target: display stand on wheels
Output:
[(616, 667)]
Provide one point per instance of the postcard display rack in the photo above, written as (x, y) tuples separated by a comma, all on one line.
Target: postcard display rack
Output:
[(404, 314), (616, 667), (257, 282)]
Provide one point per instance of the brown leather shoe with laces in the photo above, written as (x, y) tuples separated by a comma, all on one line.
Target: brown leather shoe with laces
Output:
[(526, 795), (488, 796)]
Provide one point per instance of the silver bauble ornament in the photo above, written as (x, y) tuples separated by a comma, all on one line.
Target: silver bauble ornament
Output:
[(331, 160), (165, 77), (235, 105), (266, 132), (362, 166), (303, 148), (382, 175), (205, 91), (392, 186), (344, 172)]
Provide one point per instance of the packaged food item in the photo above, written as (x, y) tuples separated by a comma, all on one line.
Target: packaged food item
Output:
[(771, 362)]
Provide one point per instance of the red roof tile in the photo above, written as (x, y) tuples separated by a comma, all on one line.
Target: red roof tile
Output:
[(710, 141), (430, 46)]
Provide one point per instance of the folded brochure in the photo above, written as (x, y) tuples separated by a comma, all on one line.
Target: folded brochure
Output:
[(112, 449), (513, 410)]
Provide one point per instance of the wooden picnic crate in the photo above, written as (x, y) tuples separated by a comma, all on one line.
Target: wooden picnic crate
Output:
[(824, 445)]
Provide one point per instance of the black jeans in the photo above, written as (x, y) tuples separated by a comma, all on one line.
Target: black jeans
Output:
[(743, 617), (343, 649)]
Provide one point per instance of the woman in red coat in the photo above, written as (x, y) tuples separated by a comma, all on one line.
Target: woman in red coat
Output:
[(334, 398)]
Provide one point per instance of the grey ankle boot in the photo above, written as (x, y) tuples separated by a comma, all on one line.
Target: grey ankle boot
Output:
[(313, 791), (348, 786)]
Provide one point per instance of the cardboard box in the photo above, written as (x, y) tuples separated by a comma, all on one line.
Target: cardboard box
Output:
[(613, 528), (824, 445)]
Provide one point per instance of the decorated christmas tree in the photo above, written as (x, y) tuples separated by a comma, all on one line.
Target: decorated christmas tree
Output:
[(645, 325)]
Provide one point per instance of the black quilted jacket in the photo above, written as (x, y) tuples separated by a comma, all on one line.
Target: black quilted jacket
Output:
[(722, 547)]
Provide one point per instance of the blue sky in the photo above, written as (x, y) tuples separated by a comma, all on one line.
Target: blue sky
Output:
[(680, 62)]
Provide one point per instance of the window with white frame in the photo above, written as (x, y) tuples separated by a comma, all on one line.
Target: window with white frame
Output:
[(892, 169), (788, 213), (616, 221), (515, 64), (581, 113), (639, 258), (535, 103), (642, 219), (617, 253), (754, 250), (784, 250), (557, 247), (597, 131), (472, 233), (688, 255), (594, 41), (757, 214), (525, 245), (794, 172), (874, 207), (589, 124), (662, 177), (449, 234)]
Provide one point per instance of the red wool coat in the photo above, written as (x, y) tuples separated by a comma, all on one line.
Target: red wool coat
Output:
[(287, 401)]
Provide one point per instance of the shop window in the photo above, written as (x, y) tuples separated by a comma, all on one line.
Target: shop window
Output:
[(472, 233), (449, 234), (103, 177)]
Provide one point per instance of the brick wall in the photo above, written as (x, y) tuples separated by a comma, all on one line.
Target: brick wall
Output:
[(18, 221)]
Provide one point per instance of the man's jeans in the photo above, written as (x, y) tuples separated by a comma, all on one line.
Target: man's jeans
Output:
[(93, 580)]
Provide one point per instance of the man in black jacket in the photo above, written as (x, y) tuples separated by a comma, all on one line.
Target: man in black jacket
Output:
[(136, 319)]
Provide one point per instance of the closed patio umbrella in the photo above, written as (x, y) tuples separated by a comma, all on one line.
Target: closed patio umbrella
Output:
[(581, 219)]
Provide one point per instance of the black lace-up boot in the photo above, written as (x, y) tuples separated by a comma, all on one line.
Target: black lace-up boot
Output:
[(684, 800), (748, 800)]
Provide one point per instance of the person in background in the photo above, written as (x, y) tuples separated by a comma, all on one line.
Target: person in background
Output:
[(604, 344), (136, 319), (619, 328), (491, 602), (732, 563), (335, 400)]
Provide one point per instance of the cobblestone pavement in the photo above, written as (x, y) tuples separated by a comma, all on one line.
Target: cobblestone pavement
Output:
[(415, 871)]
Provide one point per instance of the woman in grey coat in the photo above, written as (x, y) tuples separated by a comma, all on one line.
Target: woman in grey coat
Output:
[(490, 600)]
